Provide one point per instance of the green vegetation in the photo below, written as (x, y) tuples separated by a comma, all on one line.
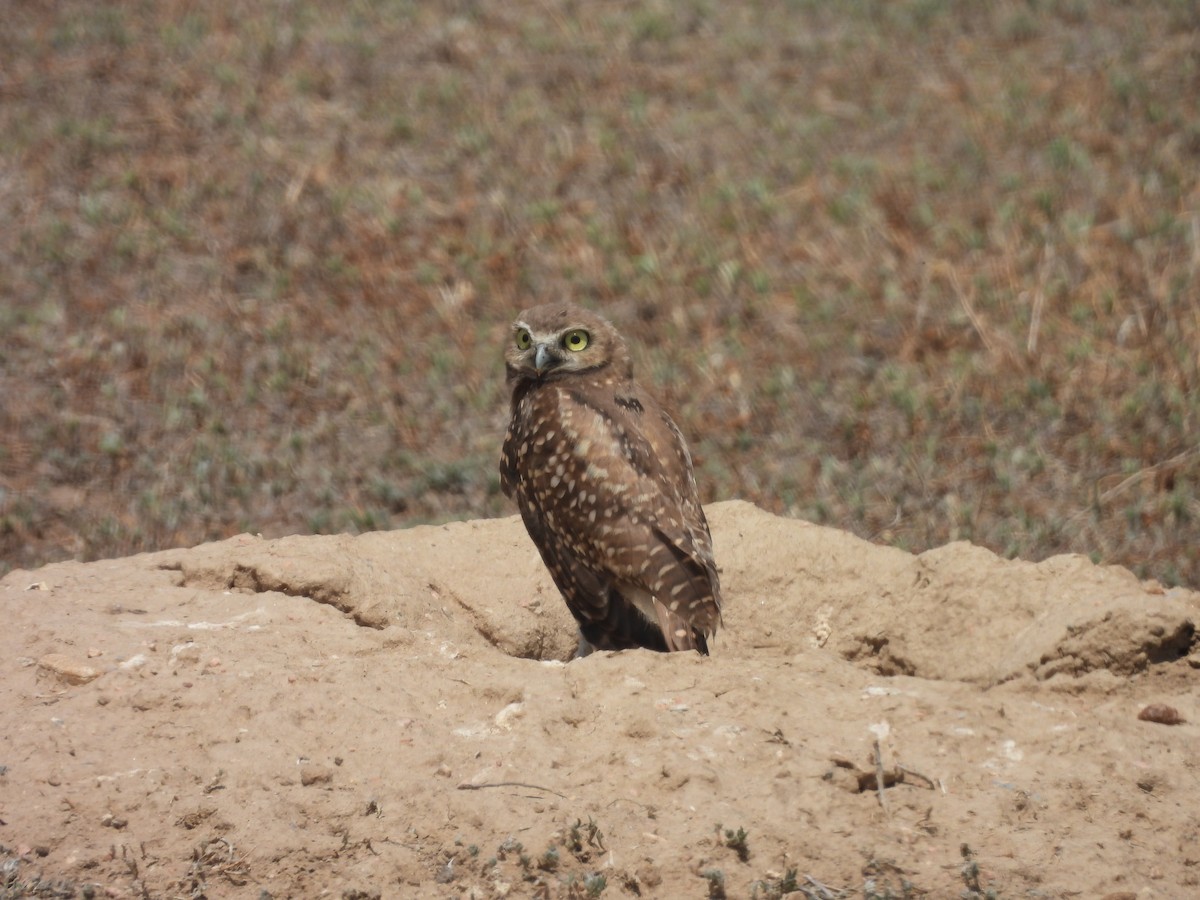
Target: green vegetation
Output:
[(924, 271), (566, 873), (737, 841)]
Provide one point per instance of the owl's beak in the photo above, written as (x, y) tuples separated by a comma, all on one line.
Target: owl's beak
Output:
[(544, 358)]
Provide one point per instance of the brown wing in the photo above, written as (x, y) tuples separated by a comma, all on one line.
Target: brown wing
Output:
[(607, 620), (623, 497), (687, 594)]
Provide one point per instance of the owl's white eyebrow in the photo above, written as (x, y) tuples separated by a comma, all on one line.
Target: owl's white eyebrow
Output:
[(538, 336)]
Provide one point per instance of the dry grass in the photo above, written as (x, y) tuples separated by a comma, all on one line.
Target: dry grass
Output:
[(921, 270)]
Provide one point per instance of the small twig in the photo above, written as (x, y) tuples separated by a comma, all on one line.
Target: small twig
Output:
[(824, 892), (220, 840), (689, 687), (296, 188), (776, 737), (465, 786), (649, 809), (907, 771), (1039, 300), (1134, 479), (969, 309), (1194, 267), (879, 778)]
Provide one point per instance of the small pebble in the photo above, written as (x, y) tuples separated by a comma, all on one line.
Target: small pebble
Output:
[(1162, 714), (310, 775), (72, 671)]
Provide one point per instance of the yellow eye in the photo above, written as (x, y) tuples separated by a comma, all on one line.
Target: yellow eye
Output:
[(523, 339), (576, 340)]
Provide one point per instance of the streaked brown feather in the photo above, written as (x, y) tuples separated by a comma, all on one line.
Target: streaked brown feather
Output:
[(604, 483)]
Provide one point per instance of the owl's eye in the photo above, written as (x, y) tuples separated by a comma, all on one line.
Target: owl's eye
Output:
[(576, 340), (523, 339)]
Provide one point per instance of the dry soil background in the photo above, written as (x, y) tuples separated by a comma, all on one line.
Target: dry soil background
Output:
[(388, 715)]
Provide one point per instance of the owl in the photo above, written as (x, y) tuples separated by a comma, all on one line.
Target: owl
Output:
[(604, 483)]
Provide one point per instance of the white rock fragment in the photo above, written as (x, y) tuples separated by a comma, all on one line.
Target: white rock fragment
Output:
[(506, 716), (70, 670)]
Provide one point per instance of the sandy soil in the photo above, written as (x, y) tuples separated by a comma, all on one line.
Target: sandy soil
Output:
[(387, 716)]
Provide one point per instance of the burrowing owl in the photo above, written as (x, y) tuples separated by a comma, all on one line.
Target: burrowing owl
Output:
[(604, 482)]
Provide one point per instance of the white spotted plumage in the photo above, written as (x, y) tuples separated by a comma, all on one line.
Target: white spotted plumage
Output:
[(604, 482)]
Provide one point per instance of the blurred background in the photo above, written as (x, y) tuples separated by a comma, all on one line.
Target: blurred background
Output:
[(925, 271)]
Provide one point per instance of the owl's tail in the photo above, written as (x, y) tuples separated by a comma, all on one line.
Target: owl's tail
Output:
[(677, 632)]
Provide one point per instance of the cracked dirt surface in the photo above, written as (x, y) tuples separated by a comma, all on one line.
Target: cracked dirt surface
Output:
[(389, 715)]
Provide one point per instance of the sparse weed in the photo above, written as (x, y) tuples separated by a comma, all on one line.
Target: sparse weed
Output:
[(775, 888), (716, 883), (258, 272), (874, 890), (885, 881), (580, 837), (971, 875), (551, 866), (548, 861), (737, 842), (510, 847)]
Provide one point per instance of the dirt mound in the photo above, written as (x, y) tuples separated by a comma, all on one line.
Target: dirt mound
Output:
[(390, 715)]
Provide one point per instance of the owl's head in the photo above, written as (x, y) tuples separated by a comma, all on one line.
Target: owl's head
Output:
[(559, 339)]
